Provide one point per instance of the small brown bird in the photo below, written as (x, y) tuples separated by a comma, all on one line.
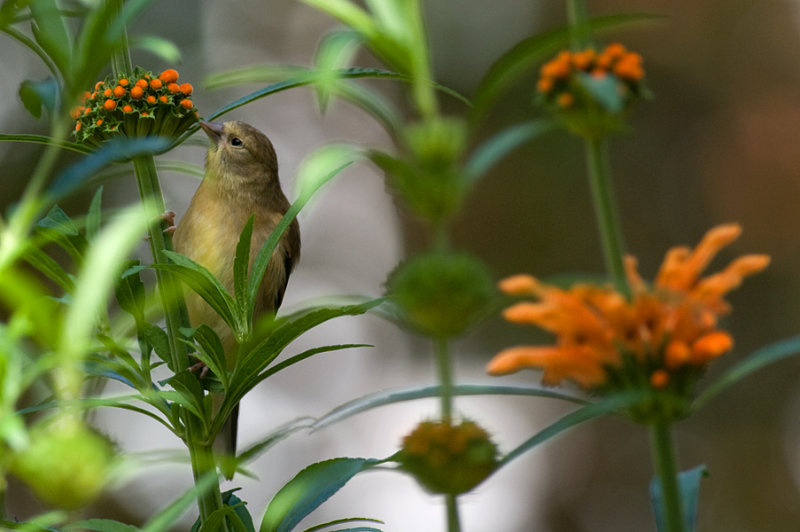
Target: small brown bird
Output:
[(241, 179)]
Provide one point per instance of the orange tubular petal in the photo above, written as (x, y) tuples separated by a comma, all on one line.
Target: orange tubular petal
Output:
[(632, 273), (676, 354), (519, 285), (659, 379), (714, 240), (526, 313), (710, 346), (523, 357)]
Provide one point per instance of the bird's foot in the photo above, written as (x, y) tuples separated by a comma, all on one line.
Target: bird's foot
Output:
[(169, 217), (200, 367)]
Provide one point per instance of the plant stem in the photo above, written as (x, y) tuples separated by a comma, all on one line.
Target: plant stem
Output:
[(176, 315), (606, 211), (445, 378), (453, 522), (578, 19), (666, 471)]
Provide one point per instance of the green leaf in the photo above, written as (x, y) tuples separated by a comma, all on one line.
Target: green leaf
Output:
[(130, 292), (50, 31), (309, 489), (241, 263), (347, 520), (43, 139), (689, 486), (526, 54), (604, 90), (262, 445), (101, 525), (761, 358), (388, 397), (307, 354), (335, 51), (36, 95), (203, 282), (78, 174), (314, 172), (161, 48), (187, 385), (167, 517), (157, 338), (94, 215), (50, 268), (500, 145), (606, 406), (212, 354)]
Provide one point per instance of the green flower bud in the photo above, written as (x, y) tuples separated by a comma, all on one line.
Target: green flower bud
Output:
[(448, 459), (66, 464), (442, 294), (428, 175)]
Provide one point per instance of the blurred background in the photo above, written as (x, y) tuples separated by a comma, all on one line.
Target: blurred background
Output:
[(717, 144)]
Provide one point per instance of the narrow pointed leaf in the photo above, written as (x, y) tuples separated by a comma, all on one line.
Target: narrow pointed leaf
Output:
[(43, 139), (100, 525), (387, 397), (203, 282), (94, 215), (309, 489), (241, 263), (167, 517), (39, 95), (492, 151), (212, 354), (262, 445), (50, 31), (50, 268), (689, 486), (761, 358), (161, 48), (607, 406), (329, 524)]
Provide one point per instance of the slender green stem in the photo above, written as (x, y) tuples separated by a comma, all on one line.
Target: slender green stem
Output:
[(606, 211), (445, 378), (176, 315), (578, 19), (453, 521), (666, 470)]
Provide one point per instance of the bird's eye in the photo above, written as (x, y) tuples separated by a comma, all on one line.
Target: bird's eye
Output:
[(236, 141)]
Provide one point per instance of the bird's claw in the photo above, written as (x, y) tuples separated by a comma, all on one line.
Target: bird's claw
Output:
[(199, 365), (169, 217)]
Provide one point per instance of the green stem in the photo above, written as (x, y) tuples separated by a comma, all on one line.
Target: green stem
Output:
[(666, 471), (578, 19), (453, 522), (176, 315), (606, 211), (445, 378), (422, 87)]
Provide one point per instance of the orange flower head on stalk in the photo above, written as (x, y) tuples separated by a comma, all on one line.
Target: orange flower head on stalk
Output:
[(153, 105), (591, 89), (664, 335)]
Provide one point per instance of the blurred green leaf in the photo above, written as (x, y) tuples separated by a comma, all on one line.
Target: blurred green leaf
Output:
[(43, 139), (78, 174), (604, 90), (608, 405), (761, 358), (309, 489), (100, 525), (161, 48), (50, 31), (263, 444), (95, 215), (38, 95), (333, 53), (308, 353), (167, 517), (50, 268), (388, 397), (493, 150), (130, 291), (689, 486)]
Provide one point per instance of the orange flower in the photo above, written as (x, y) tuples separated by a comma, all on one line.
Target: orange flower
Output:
[(174, 88), (151, 99), (109, 105), (155, 84), (127, 109), (169, 76), (137, 92), (187, 88), (119, 92), (108, 93), (124, 82), (668, 329), (143, 83), (186, 103)]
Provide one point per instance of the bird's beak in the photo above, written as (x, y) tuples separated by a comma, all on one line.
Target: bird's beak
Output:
[(214, 130)]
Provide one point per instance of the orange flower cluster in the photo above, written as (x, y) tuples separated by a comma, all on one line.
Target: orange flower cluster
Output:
[(665, 333), (447, 458), (558, 79), (138, 104)]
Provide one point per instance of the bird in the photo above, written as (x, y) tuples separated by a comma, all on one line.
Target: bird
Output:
[(240, 180)]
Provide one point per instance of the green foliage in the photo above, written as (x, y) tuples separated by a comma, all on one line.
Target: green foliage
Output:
[(689, 485), (309, 489), (442, 294)]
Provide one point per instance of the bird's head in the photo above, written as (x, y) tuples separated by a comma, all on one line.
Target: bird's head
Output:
[(240, 154)]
